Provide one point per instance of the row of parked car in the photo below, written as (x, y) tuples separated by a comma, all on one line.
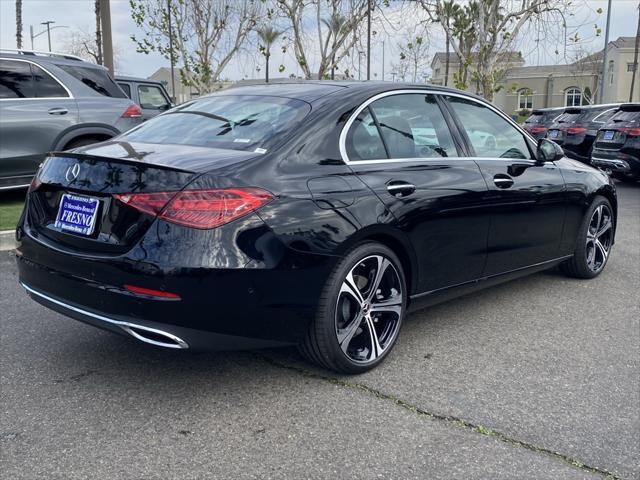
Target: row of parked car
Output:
[(54, 102), (605, 136)]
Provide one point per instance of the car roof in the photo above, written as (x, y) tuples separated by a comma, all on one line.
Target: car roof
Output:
[(311, 90), (48, 58), (126, 78)]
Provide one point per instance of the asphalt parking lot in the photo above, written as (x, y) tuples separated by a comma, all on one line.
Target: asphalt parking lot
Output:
[(535, 379)]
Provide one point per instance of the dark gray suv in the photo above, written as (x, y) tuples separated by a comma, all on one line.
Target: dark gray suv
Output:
[(52, 102)]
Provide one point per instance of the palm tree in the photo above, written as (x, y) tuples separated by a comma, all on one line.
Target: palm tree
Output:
[(447, 13), (336, 24), (268, 35), (19, 24)]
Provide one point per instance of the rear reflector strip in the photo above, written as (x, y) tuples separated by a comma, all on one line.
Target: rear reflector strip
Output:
[(152, 293)]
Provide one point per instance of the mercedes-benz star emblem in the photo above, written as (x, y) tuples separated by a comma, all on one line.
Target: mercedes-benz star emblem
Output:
[(72, 172)]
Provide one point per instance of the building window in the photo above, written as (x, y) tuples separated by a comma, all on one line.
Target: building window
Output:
[(525, 99), (631, 67), (573, 97)]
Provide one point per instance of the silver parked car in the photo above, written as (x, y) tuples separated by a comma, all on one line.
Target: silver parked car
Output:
[(149, 94), (53, 102)]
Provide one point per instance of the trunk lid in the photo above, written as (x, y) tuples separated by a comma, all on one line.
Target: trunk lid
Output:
[(87, 179)]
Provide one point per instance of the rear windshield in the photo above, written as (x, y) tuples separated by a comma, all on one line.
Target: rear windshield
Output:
[(535, 118), (238, 122), (571, 117), (96, 79), (627, 116)]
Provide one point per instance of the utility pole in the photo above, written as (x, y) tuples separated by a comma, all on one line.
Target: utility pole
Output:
[(368, 39), (171, 58), (360, 54), (48, 24), (603, 80), (107, 43), (383, 60)]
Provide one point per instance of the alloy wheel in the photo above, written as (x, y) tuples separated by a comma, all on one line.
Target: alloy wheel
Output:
[(599, 238), (369, 309)]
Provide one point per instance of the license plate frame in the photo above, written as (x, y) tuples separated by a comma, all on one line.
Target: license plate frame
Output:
[(554, 133), (85, 210), (608, 135)]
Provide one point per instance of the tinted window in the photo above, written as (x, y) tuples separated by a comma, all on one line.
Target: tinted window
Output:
[(96, 79), (239, 122), (151, 97), (46, 85), (412, 126), (126, 89), (535, 118), (605, 116), (363, 139), (626, 116), (490, 135), (570, 117), (16, 80)]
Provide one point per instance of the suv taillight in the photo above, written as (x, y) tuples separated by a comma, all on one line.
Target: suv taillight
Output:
[(132, 111), (203, 209), (631, 131), (537, 129)]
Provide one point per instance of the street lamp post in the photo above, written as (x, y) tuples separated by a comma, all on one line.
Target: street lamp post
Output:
[(48, 24), (47, 31)]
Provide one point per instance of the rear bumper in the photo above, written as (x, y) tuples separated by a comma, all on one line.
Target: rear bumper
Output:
[(616, 161), (249, 306)]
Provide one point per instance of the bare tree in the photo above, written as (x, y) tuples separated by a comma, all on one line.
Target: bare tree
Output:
[(267, 35), (413, 56), (635, 59), (19, 24), (497, 25), (82, 43), (335, 24), (207, 34)]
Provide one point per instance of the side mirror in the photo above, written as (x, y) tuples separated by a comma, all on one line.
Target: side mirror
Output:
[(548, 151)]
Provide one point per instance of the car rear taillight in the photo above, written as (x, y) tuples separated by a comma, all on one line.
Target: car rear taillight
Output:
[(631, 131), (537, 129), (575, 130), (132, 111), (150, 292), (201, 209)]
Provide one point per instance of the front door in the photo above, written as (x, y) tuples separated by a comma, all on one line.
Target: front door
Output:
[(401, 146), (526, 198)]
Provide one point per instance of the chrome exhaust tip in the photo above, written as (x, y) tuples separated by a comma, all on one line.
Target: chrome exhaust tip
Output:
[(153, 336)]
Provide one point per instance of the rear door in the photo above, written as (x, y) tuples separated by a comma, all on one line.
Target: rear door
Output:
[(401, 146), (526, 198), (36, 108)]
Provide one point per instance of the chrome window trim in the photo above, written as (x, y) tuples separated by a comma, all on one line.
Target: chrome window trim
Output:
[(426, 91), (70, 95), (126, 326)]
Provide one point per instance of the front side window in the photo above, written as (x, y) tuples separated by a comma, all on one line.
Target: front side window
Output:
[(152, 97), (573, 97), (489, 134), (46, 85), (96, 79), (16, 80), (525, 99), (238, 122)]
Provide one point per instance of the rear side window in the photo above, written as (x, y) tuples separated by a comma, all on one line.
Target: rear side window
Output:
[(238, 122), (413, 126), (46, 85), (96, 79), (16, 80), (363, 139), (490, 135), (126, 89)]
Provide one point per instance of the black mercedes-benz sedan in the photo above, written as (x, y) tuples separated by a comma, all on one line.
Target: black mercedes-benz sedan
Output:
[(309, 214)]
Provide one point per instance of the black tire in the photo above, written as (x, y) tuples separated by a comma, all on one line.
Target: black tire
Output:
[(589, 258), (81, 142), (321, 345)]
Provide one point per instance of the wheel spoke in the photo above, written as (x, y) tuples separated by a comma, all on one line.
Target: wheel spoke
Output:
[(597, 216), (604, 228), (381, 268), (376, 349), (393, 304), (603, 251), (346, 334), (350, 287)]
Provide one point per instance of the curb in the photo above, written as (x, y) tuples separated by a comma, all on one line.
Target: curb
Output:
[(7, 240)]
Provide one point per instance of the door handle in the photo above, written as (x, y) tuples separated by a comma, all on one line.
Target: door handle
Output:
[(58, 111), (502, 181), (400, 188)]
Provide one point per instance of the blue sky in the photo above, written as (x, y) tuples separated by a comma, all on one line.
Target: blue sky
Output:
[(78, 14)]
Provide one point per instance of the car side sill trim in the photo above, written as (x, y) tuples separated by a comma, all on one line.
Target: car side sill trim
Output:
[(481, 279), (135, 330)]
